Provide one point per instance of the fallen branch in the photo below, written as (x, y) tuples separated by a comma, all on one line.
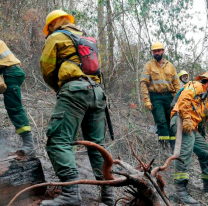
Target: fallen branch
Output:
[(143, 182), (87, 182), (161, 168)]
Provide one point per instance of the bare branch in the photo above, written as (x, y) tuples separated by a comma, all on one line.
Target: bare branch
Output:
[(108, 160)]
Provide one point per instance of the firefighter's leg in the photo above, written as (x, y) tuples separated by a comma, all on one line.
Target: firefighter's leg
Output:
[(201, 150), (181, 175), (70, 109), (14, 77), (93, 130), (158, 112), (167, 99)]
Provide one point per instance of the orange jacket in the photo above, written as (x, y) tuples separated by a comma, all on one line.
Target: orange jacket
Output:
[(159, 79), (189, 104)]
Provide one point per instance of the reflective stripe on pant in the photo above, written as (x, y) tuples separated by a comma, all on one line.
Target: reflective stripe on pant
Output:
[(204, 176), (76, 106), (14, 77), (190, 143), (161, 113)]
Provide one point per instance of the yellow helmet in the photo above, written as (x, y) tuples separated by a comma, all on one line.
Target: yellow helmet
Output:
[(182, 72), (54, 15), (202, 76), (157, 45)]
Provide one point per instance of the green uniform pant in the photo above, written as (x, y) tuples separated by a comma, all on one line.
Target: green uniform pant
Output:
[(161, 113), (14, 77), (76, 107), (190, 143)]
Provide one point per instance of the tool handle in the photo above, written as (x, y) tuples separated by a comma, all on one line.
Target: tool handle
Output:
[(178, 137)]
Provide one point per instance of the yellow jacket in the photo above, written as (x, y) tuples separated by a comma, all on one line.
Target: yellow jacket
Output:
[(7, 58), (189, 104), (159, 79), (57, 47)]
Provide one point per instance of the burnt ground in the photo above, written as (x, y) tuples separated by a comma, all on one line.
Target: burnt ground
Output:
[(127, 124)]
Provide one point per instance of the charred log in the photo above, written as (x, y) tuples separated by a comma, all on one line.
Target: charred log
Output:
[(16, 175)]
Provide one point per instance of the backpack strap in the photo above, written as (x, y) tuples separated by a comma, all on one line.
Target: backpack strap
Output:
[(69, 34)]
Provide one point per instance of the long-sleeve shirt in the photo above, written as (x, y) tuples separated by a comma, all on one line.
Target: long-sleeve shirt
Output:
[(159, 79)]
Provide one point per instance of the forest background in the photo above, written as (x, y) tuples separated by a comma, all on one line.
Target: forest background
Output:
[(125, 31)]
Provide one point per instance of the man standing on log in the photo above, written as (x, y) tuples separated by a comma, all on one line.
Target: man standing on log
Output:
[(14, 77), (80, 102), (190, 106), (159, 81)]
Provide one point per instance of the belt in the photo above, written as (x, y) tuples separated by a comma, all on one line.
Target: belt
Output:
[(74, 79)]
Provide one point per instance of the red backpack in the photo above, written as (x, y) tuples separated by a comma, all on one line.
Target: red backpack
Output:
[(86, 50)]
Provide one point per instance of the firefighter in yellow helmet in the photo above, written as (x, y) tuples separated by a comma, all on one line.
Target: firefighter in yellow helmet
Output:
[(184, 77), (80, 103), (190, 106), (159, 82)]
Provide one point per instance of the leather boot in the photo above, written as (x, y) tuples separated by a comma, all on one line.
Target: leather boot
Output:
[(172, 145), (107, 195), (205, 183), (183, 196), (28, 144), (70, 196)]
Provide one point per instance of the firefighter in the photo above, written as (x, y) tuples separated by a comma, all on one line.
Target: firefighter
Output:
[(14, 77), (190, 107), (79, 103), (184, 77), (159, 82)]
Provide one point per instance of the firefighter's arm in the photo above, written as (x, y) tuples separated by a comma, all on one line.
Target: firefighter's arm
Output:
[(185, 102), (144, 82), (176, 82), (48, 64), (184, 106)]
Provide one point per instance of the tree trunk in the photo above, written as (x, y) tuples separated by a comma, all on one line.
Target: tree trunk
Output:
[(110, 39), (102, 34), (137, 66)]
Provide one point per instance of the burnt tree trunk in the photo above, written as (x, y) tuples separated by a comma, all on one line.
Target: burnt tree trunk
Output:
[(16, 175)]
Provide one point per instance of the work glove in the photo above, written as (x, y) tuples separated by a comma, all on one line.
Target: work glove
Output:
[(148, 105), (3, 86), (187, 126)]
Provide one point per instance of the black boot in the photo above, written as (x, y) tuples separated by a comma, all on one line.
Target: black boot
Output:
[(107, 195), (164, 144), (172, 145), (205, 183), (28, 144), (70, 196), (182, 194)]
